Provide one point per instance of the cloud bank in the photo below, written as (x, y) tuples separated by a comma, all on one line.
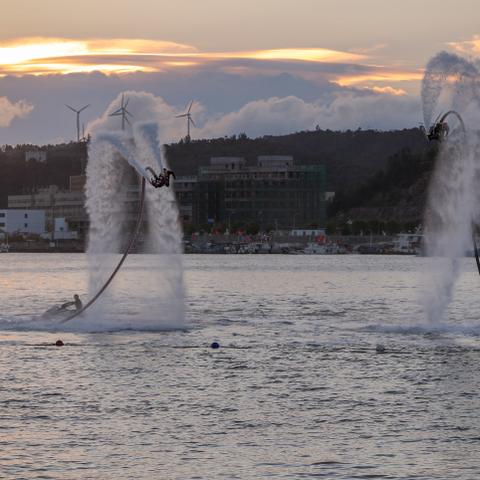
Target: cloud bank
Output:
[(9, 110), (272, 116), (225, 104), (277, 116)]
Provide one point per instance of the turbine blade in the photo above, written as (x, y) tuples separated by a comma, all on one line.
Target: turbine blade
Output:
[(71, 108), (127, 120), (126, 103), (83, 108), (191, 121), (191, 103), (181, 116), (128, 113)]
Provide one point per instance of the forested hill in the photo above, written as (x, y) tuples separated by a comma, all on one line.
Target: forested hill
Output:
[(351, 157), (19, 176), (391, 200)]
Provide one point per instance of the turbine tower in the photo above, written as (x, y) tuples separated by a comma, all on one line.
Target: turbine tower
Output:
[(189, 120), (78, 117), (122, 112)]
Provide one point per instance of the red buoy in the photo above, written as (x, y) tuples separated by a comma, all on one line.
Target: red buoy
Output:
[(59, 343)]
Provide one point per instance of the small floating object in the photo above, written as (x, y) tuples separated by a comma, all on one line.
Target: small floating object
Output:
[(380, 348), (215, 345), (59, 343)]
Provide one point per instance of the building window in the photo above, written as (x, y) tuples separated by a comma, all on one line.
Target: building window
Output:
[(25, 215), (2, 215), (25, 225), (2, 224)]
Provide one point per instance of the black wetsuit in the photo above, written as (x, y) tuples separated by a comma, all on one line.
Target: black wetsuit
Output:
[(158, 181), (162, 179), (77, 302)]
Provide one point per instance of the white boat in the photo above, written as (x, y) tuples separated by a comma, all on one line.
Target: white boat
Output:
[(408, 244)]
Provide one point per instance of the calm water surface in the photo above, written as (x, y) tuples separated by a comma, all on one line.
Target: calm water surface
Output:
[(296, 391)]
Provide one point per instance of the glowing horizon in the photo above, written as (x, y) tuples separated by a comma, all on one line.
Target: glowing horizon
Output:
[(39, 55)]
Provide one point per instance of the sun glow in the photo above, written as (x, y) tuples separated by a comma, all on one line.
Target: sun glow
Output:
[(23, 52), (39, 56)]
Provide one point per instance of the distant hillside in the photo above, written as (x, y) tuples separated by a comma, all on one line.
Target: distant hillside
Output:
[(351, 157), (391, 200), (378, 177), (19, 176)]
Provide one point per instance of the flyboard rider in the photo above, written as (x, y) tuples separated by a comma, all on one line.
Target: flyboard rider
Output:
[(162, 179), (439, 131)]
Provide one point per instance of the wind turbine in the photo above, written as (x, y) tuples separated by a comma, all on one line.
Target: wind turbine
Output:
[(189, 119), (122, 112), (78, 117)]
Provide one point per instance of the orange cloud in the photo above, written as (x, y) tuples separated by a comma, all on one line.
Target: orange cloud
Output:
[(38, 56), (398, 92), (47, 56), (301, 54), (469, 47), (379, 76)]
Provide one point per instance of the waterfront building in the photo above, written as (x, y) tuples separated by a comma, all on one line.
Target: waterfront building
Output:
[(56, 203), (186, 191), (23, 221), (274, 193)]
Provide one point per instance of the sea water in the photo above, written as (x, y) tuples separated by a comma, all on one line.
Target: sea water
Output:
[(296, 389)]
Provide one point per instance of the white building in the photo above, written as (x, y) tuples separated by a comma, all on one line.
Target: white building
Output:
[(22, 221), (56, 204), (62, 231)]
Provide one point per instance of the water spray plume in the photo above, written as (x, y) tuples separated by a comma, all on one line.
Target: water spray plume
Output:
[(450, 84), (117, 160)]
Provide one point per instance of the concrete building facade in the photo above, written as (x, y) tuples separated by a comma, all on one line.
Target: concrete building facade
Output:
[(22, 221), (276, 192), (56, 203)]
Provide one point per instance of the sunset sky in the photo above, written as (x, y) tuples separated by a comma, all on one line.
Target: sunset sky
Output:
[(263, 67)]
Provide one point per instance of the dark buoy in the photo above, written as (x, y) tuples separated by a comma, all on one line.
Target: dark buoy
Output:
[(215, 345), (59, 343), (380, 348)]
